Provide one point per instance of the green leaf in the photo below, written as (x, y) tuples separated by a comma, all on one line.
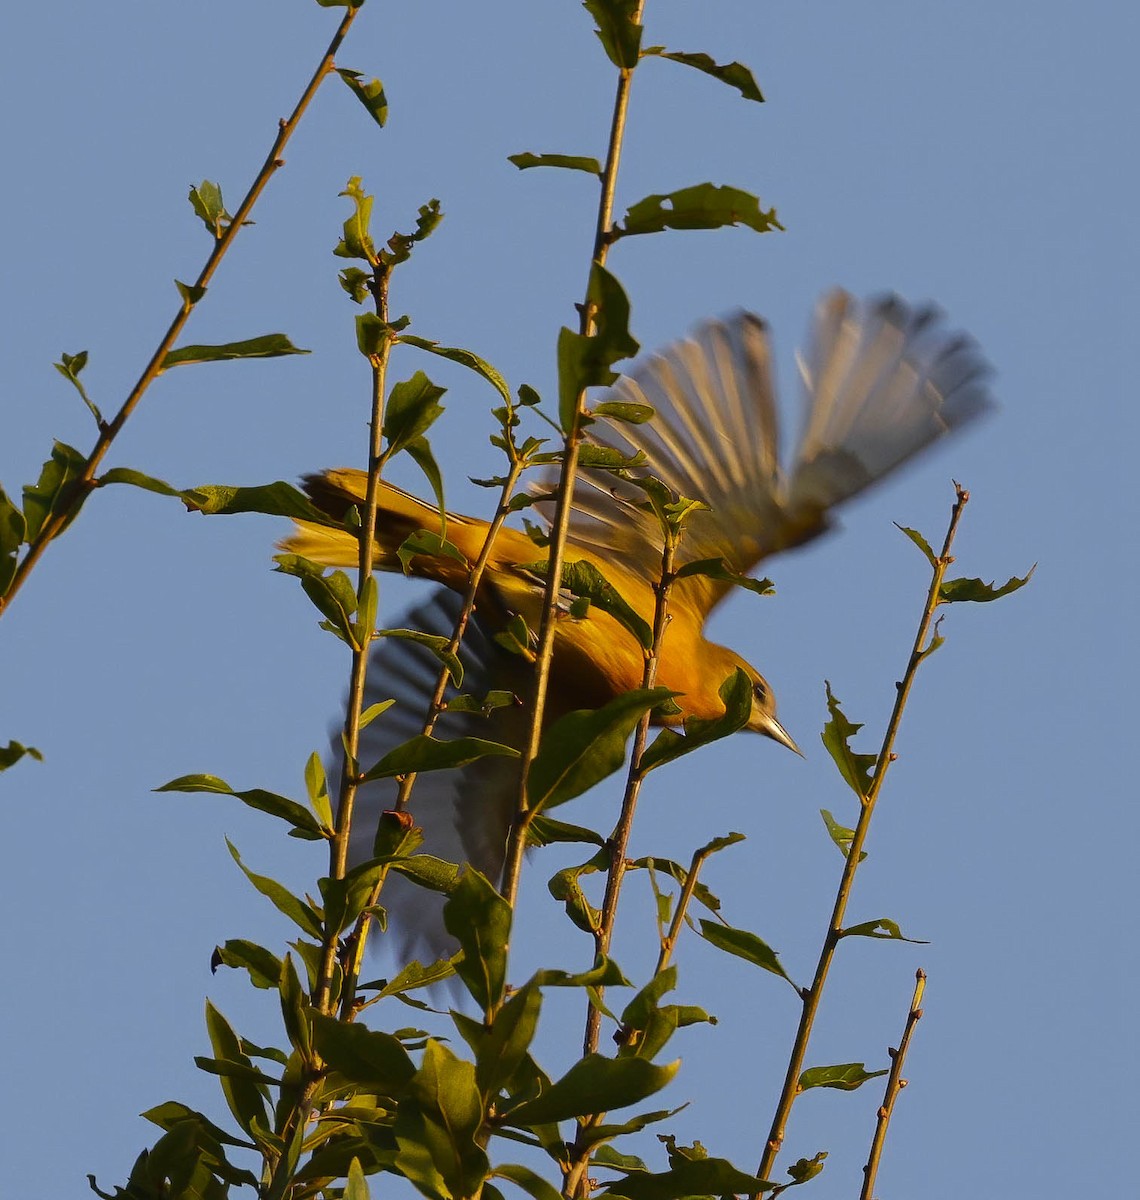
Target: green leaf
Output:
[(356, 241), (356, 1187), (736, 692), (373, 335), (618, 29), (805, 1169), (735, 74), (263, 965), (269, 345), (191, 293), (844, 1076), (316, 782), (584, 580), (955, 591), (47, 496), (543, 831), (689, 1178), (424, 541), (593, 1084), (840, 834), (294, 1015), (412, 407), (716, 568), (884, 927), (837, 734), (582, 748), (424, 753), (920, 542), (244, 1096), (702, 206), (370, 94), (300, 913), (167, 1115), (304, 824), (744, 945), (14, 751), (435, 1128), (494, 699), (416, 975), (366, 1056), (69, 367), (587, 361), (603, 974), (480, 921), (206, 201), (419, 451), (500, 1050), (530, 1181), (465, 358), (279, 499), (566, 887), (624, 410), (571, 162), (400, 245), (597, 1134), (12, 526), (356, 283)]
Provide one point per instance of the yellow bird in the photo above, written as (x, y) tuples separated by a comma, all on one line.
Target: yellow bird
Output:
[(881, 380)]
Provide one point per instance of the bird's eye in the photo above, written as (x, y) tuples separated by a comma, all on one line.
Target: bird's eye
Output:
[(760, 691)]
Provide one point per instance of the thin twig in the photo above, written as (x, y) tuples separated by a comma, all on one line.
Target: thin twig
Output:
[(564, 502), (813, 995), (80, 487), (895, 1084)]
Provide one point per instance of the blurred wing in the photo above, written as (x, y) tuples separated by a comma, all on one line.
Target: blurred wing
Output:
[(714, 438), (465, 814), (882, 380)]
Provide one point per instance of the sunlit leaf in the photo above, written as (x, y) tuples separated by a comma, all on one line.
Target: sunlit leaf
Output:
[(269, 345)]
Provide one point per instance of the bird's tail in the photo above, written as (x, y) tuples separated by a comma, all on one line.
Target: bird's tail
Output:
[(399, 515)]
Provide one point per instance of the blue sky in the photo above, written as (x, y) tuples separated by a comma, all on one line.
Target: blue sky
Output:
[(983, 158)]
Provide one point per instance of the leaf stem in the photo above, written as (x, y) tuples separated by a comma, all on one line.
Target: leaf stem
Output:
[(813, 995), (895, 1084), (84, 483)]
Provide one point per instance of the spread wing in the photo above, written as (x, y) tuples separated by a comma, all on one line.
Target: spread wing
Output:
[(465, 814), (881, 380)]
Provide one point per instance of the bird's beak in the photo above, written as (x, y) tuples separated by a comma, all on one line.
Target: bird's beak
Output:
[(776, 731)]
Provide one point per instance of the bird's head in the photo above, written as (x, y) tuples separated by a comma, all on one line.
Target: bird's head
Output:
[(763, 719)]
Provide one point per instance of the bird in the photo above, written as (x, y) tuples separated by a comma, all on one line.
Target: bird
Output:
[(881, 379)]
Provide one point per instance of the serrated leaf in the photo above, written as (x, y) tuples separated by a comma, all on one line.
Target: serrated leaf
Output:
[(745, 945), (716, 568), (618, 29), (920, 542), (587, 361), (370, 93), (14, 751), (206, 201), (840, 834), (736, 692), (570, 162), (844, 1076), (593, 1084), (412, 407), (356, 241), (584, 580), (956, 591), (582, 748), (885, 928), (855, 768), (689, 1178), (263, 966), (735, 74), (46, 497), (702, 206), (269, 345)]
